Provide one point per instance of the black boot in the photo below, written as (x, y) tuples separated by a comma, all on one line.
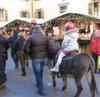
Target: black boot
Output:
[(23, 72), (27, 64)]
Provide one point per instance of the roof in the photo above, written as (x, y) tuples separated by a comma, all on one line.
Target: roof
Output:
[(2, 24), (39, 21), (14, 22), (73, 15)]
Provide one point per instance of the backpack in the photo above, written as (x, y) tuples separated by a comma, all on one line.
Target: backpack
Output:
[(95, 44)]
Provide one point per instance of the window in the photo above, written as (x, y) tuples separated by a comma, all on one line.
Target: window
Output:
[(24, 14), (39, 13), (63, 7), (95, 0), (3, 15), (96, 7), (36, 0), (90, 8), (25, 0)]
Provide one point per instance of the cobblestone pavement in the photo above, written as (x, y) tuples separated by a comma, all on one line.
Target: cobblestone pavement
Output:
[(19, 86)]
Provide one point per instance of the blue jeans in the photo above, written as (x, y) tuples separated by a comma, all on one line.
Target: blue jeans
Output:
[(38, 66)]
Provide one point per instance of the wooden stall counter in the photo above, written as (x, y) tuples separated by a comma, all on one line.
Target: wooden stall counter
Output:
[(84, 44)]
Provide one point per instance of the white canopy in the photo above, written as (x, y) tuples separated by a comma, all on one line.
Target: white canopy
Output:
[(75, 15), (13, 22)]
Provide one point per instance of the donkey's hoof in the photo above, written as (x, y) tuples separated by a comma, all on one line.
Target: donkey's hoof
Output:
[(63, 88), (76, 96)]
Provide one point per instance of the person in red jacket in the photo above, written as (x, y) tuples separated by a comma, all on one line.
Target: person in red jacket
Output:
[(95, 44)]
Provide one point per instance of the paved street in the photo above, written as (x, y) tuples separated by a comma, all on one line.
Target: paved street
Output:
[(19, 86)]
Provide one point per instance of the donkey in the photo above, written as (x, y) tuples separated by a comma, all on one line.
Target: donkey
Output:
[(77, 66)]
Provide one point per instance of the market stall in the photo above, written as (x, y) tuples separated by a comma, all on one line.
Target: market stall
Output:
[(82, 21)]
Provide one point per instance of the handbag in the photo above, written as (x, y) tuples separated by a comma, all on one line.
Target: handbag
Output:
[(98, 66)]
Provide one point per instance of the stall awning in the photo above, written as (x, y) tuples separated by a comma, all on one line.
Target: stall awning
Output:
[(17, 21), (67, 15)]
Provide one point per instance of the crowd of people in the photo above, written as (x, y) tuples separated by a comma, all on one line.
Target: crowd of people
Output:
[(25, 43), (33, 43)]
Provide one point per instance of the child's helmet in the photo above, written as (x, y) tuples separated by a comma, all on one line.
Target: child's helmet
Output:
[(69, 26)]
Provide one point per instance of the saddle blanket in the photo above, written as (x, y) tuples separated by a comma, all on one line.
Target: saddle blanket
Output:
[(67, 62)]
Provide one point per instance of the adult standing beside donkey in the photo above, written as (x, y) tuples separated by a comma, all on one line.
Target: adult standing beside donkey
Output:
[(36, 48)]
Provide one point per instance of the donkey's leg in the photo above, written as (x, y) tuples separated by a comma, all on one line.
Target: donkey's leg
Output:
[(54, 79), (50, 63), (64, 82), (79, 87)]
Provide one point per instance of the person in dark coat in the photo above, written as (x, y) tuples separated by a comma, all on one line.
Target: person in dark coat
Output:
[(36, 48), (3, 57), (12, 42)]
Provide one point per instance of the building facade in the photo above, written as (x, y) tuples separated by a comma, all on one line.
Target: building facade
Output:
[(11, 9), (45, 9), (49, 8)]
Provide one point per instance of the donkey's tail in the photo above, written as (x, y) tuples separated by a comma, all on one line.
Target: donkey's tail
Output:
[(93, 86)]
